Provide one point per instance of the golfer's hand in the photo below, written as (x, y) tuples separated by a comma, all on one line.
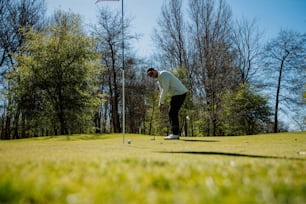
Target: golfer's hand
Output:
[(161, 107)]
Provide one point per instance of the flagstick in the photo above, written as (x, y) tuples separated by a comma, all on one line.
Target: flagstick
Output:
[(123, 75)]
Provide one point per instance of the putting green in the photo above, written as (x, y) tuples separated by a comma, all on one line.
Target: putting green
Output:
[(101, 169)]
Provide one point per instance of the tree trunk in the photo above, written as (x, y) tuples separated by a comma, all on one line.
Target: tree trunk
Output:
[(278, 88)]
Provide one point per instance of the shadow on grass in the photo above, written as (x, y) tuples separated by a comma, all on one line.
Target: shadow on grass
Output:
[(231, 154), (192, 140)]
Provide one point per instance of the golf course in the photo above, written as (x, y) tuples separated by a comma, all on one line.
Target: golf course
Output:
[(91, 169)]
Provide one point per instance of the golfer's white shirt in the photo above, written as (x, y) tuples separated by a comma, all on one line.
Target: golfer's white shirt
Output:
[(169, 84)]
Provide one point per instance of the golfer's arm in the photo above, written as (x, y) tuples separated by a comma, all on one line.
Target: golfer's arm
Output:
[(164, 85)]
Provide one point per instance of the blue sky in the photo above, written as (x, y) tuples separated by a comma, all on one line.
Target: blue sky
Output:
[(271, 15)]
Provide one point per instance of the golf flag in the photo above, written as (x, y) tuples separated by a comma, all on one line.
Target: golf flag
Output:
[(105, 0)]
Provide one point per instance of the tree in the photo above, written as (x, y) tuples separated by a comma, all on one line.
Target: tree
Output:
[(246, 43), (16, 17), (217, 57), (136, 89), (109, 43), (58, 70), (170, 35), (109, 31), (212, 57), (284, 71), (245, 112)]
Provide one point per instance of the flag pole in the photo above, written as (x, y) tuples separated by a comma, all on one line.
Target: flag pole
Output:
[(123, 74)]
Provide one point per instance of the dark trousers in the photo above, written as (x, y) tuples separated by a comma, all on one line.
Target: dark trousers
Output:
[(175, 105)]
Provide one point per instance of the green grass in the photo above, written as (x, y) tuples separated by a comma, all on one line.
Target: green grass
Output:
[(100, 169)]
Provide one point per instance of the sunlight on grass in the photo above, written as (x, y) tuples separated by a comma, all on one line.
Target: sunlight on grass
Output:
[(100, 169)]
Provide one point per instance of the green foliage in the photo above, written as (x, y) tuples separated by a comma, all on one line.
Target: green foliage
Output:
[(245, 112), (57, 70)]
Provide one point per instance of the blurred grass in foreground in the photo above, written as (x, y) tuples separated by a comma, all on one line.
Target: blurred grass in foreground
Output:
[(100, 169)]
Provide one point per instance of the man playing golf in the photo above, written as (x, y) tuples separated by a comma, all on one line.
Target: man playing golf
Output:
[(171, 85)]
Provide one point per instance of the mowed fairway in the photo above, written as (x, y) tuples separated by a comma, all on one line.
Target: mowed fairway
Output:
[(100, 169)]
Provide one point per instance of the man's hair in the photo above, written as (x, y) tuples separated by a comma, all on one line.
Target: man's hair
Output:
[(150, 69)]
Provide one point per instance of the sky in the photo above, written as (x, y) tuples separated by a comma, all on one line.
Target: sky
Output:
[(271, 15)]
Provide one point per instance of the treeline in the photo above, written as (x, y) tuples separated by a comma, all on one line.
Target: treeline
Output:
[(57, 77)]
